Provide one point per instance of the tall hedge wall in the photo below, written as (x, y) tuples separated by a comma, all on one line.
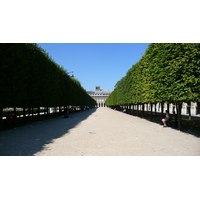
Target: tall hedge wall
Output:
[(166, 73), (30, 78)]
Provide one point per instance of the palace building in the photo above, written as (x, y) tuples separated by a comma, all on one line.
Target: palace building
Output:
[(99, 95)]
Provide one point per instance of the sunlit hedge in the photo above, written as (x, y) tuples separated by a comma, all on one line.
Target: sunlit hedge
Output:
[(167, 73)]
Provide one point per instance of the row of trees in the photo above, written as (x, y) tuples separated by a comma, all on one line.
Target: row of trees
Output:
[(29, 78), (166, 73)]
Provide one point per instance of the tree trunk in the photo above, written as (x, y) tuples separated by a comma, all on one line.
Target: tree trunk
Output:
[(173, 109), (137, 109), (32, 111), (38, 113), (47, 112), (189, 110), (179, 105), (29, 111), (168, 107), (155, 109), (24, 115), (133, 109), (198, 108), (66, 115), (162, 108), (1, 117), (143, 110), (151, 115), (59, 109)]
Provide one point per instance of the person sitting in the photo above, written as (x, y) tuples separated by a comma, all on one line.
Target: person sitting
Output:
[(165, 118)]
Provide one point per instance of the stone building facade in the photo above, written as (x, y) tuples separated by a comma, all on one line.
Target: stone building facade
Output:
[(99, 95)]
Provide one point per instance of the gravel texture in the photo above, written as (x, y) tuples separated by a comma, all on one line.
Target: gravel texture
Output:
[(98, 132)]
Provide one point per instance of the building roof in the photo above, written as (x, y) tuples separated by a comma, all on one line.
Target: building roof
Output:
[(99, 91)]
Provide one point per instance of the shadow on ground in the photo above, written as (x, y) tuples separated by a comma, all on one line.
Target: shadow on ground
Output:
[(191, 127), (32, 138)]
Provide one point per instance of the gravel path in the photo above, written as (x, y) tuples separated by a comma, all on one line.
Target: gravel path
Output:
[(98, 132)]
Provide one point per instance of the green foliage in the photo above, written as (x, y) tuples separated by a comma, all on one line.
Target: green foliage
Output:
[(30, 78), (166, 73)]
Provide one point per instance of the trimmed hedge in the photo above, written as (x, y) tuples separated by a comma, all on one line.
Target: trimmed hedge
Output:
[(166, 73), (30, 78)]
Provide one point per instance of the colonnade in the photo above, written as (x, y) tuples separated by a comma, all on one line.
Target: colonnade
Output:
[(101, 102)]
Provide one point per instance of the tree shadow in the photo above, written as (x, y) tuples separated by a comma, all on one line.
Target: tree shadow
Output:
[(188, 126), (32, 138), (191, 127)]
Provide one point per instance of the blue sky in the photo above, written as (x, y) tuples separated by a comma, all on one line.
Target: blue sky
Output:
[(96, 64)]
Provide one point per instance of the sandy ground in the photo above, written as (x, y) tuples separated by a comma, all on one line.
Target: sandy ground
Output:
[(98, 132)]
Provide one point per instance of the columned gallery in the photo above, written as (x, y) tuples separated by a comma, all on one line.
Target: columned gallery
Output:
[(99, 95)]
